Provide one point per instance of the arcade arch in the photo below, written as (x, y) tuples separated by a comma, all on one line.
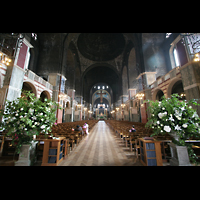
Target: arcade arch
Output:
[(101, 73), (45, 94), (28, 86), (175, 86), (157, 95)]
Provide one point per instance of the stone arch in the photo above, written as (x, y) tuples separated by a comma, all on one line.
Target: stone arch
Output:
[(104, 91), (97, 101), (28, 86), (136, 40), (45, 94), (172, 84), (101, 73), (157, 94), (100, 64), (67, 105)]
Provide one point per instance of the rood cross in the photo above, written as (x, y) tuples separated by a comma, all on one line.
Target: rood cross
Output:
[(101, 96)]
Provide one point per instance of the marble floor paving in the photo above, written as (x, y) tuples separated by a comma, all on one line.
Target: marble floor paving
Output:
[(101, 148)]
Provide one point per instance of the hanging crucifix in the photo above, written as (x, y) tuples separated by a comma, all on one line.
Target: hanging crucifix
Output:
[(101, 96)]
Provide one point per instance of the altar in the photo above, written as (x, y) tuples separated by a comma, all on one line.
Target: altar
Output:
[(101, 116), (101, 112)]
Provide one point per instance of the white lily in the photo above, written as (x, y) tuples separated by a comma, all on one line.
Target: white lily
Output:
[(177, 127), (167, 128)]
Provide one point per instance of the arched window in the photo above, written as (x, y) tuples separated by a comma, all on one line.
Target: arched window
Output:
[(179, 55), (67, 105), (176, 59)]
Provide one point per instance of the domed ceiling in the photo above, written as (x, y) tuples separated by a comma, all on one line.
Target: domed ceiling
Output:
[(101, 46)]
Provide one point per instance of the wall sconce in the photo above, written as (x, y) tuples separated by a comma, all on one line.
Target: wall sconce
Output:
[(140, 95), (4, 59), (62, 96), (79, 105), (183, 94), (123, 105), (85, 109), (196, 57), (117, 109)]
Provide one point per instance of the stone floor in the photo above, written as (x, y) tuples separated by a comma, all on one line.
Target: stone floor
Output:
[(8, 160), (101, 148)]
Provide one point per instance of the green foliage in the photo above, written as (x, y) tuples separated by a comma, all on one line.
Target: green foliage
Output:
[(27, 116), (172, 115)]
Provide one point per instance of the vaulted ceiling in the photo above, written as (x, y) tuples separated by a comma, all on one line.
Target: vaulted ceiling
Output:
[(88, 58), (101, 59)]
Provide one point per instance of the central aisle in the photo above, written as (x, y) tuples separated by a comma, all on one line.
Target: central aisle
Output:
[(99, 149)]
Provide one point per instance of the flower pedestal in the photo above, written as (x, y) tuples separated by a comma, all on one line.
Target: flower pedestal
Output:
[(27, 154), (179, 155)]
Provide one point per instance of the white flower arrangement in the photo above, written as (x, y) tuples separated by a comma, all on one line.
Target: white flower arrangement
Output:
[(179, 118), (27, 116)]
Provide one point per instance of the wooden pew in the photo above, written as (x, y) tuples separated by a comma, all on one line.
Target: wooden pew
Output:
[(130, 138)]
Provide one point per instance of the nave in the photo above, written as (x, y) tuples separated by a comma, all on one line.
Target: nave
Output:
[(101, 148)]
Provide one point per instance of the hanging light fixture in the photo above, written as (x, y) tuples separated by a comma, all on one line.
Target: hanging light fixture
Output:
[(196, 57), (140, 95), (4, 59), (123, 105)]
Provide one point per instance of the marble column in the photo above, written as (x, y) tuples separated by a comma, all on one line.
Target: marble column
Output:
[(58, 82), (70, 112), (144, 80)]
